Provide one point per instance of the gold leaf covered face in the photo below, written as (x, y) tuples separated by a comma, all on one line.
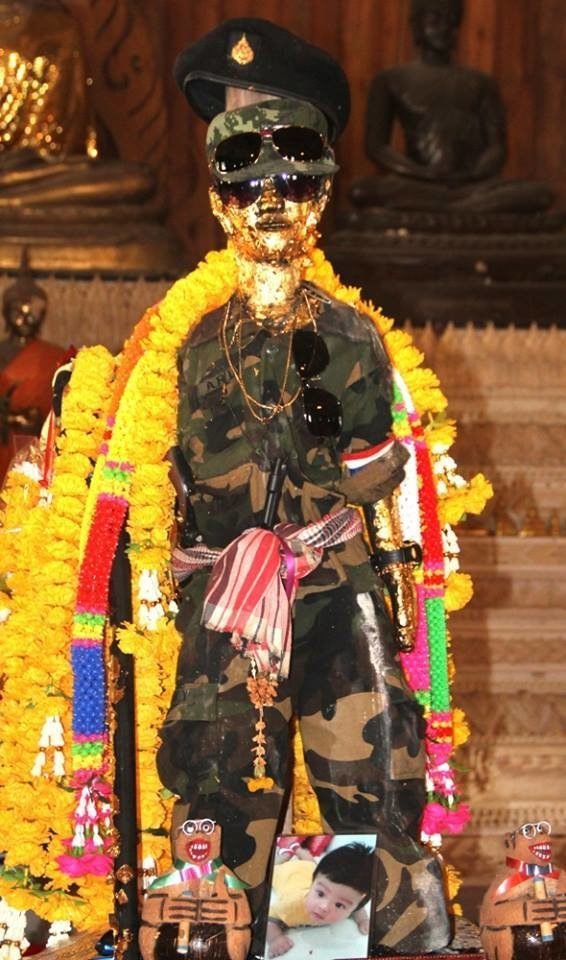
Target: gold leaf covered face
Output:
[(272, 227)]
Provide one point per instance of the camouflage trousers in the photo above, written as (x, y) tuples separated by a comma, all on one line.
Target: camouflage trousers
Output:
[(362, 733)]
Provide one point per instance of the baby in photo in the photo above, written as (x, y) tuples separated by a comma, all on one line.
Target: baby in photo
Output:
[(311, 894)]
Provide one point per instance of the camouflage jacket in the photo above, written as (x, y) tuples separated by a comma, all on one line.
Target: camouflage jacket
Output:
[(230, 452)]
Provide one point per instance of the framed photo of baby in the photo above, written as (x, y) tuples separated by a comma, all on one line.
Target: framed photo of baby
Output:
[(320, 903)]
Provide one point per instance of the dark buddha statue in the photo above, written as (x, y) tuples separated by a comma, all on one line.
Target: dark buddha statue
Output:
[(27, 365), (453, 122)]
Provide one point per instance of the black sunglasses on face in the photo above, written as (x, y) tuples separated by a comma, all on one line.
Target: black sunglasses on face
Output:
[(296, 144), (297, 187), (323, 411)]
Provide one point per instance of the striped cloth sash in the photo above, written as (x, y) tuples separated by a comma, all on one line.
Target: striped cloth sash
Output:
[(254, 579)]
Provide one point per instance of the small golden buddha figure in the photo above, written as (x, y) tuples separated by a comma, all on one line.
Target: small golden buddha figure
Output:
[(533, 525), (27, 365)]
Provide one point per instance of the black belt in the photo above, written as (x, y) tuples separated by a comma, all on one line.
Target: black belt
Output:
[(410, 553)]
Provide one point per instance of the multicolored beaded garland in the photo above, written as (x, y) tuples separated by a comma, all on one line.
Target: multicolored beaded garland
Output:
[(426, 667)]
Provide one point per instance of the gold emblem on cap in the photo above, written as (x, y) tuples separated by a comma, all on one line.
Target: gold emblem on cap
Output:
[(241, 52)]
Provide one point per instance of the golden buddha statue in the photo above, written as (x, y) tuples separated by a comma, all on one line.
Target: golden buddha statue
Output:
[(36, 89), (54, 174)]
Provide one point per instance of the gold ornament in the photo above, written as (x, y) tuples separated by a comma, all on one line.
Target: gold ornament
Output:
[(241, 52), (255, 406), (125, 873)]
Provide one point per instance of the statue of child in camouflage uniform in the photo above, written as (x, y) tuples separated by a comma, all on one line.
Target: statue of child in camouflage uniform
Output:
[(284, 376)]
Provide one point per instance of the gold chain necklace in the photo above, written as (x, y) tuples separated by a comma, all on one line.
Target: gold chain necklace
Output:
[(256, 406)]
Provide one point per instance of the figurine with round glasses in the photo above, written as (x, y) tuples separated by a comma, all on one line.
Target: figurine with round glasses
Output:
[(284, 429), (523, 912)]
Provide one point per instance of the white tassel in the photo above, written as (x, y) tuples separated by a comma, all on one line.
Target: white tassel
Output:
[(83, 801), (44, 735), (96, 838), (12, 930), (39, 764), (78, 837), (58, 932), (106, 814), (51, 736), (56, 732), (451, 550), (149, 616), (434, 839), (150, 610), (58, 764), (148, 589), (28, 469)]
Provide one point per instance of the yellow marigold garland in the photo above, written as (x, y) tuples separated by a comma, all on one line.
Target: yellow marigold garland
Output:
[(41, 575)]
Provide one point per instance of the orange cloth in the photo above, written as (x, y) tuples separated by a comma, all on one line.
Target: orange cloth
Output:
[(30, 374)]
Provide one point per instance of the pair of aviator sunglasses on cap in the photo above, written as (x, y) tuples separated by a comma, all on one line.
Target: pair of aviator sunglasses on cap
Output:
[(292, 143), (297, 187), (323, 411), (284, 141)]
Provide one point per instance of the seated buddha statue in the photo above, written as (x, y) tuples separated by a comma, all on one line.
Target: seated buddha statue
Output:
[(48, 151), (27, 366), (453, 122)]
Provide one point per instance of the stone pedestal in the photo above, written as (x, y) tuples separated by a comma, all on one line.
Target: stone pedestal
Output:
[(127, 250), (435, 277)]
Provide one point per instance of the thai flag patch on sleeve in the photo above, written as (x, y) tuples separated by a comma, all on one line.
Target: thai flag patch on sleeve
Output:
[(355, 461)]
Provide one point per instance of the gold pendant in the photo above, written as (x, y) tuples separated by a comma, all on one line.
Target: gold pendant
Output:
[(241, 52)]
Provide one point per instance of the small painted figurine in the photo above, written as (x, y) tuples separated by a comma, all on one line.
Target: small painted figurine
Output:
[(523, 914), (193, 908)]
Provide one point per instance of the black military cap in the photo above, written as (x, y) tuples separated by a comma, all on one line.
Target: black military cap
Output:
[(259, 55)]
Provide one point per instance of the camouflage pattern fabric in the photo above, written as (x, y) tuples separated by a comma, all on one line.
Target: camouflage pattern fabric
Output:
[(265, 116), (230, 453), (362, 729)]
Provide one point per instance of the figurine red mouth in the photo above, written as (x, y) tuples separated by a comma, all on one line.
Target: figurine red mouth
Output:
[(543, 851), (198, 851)]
